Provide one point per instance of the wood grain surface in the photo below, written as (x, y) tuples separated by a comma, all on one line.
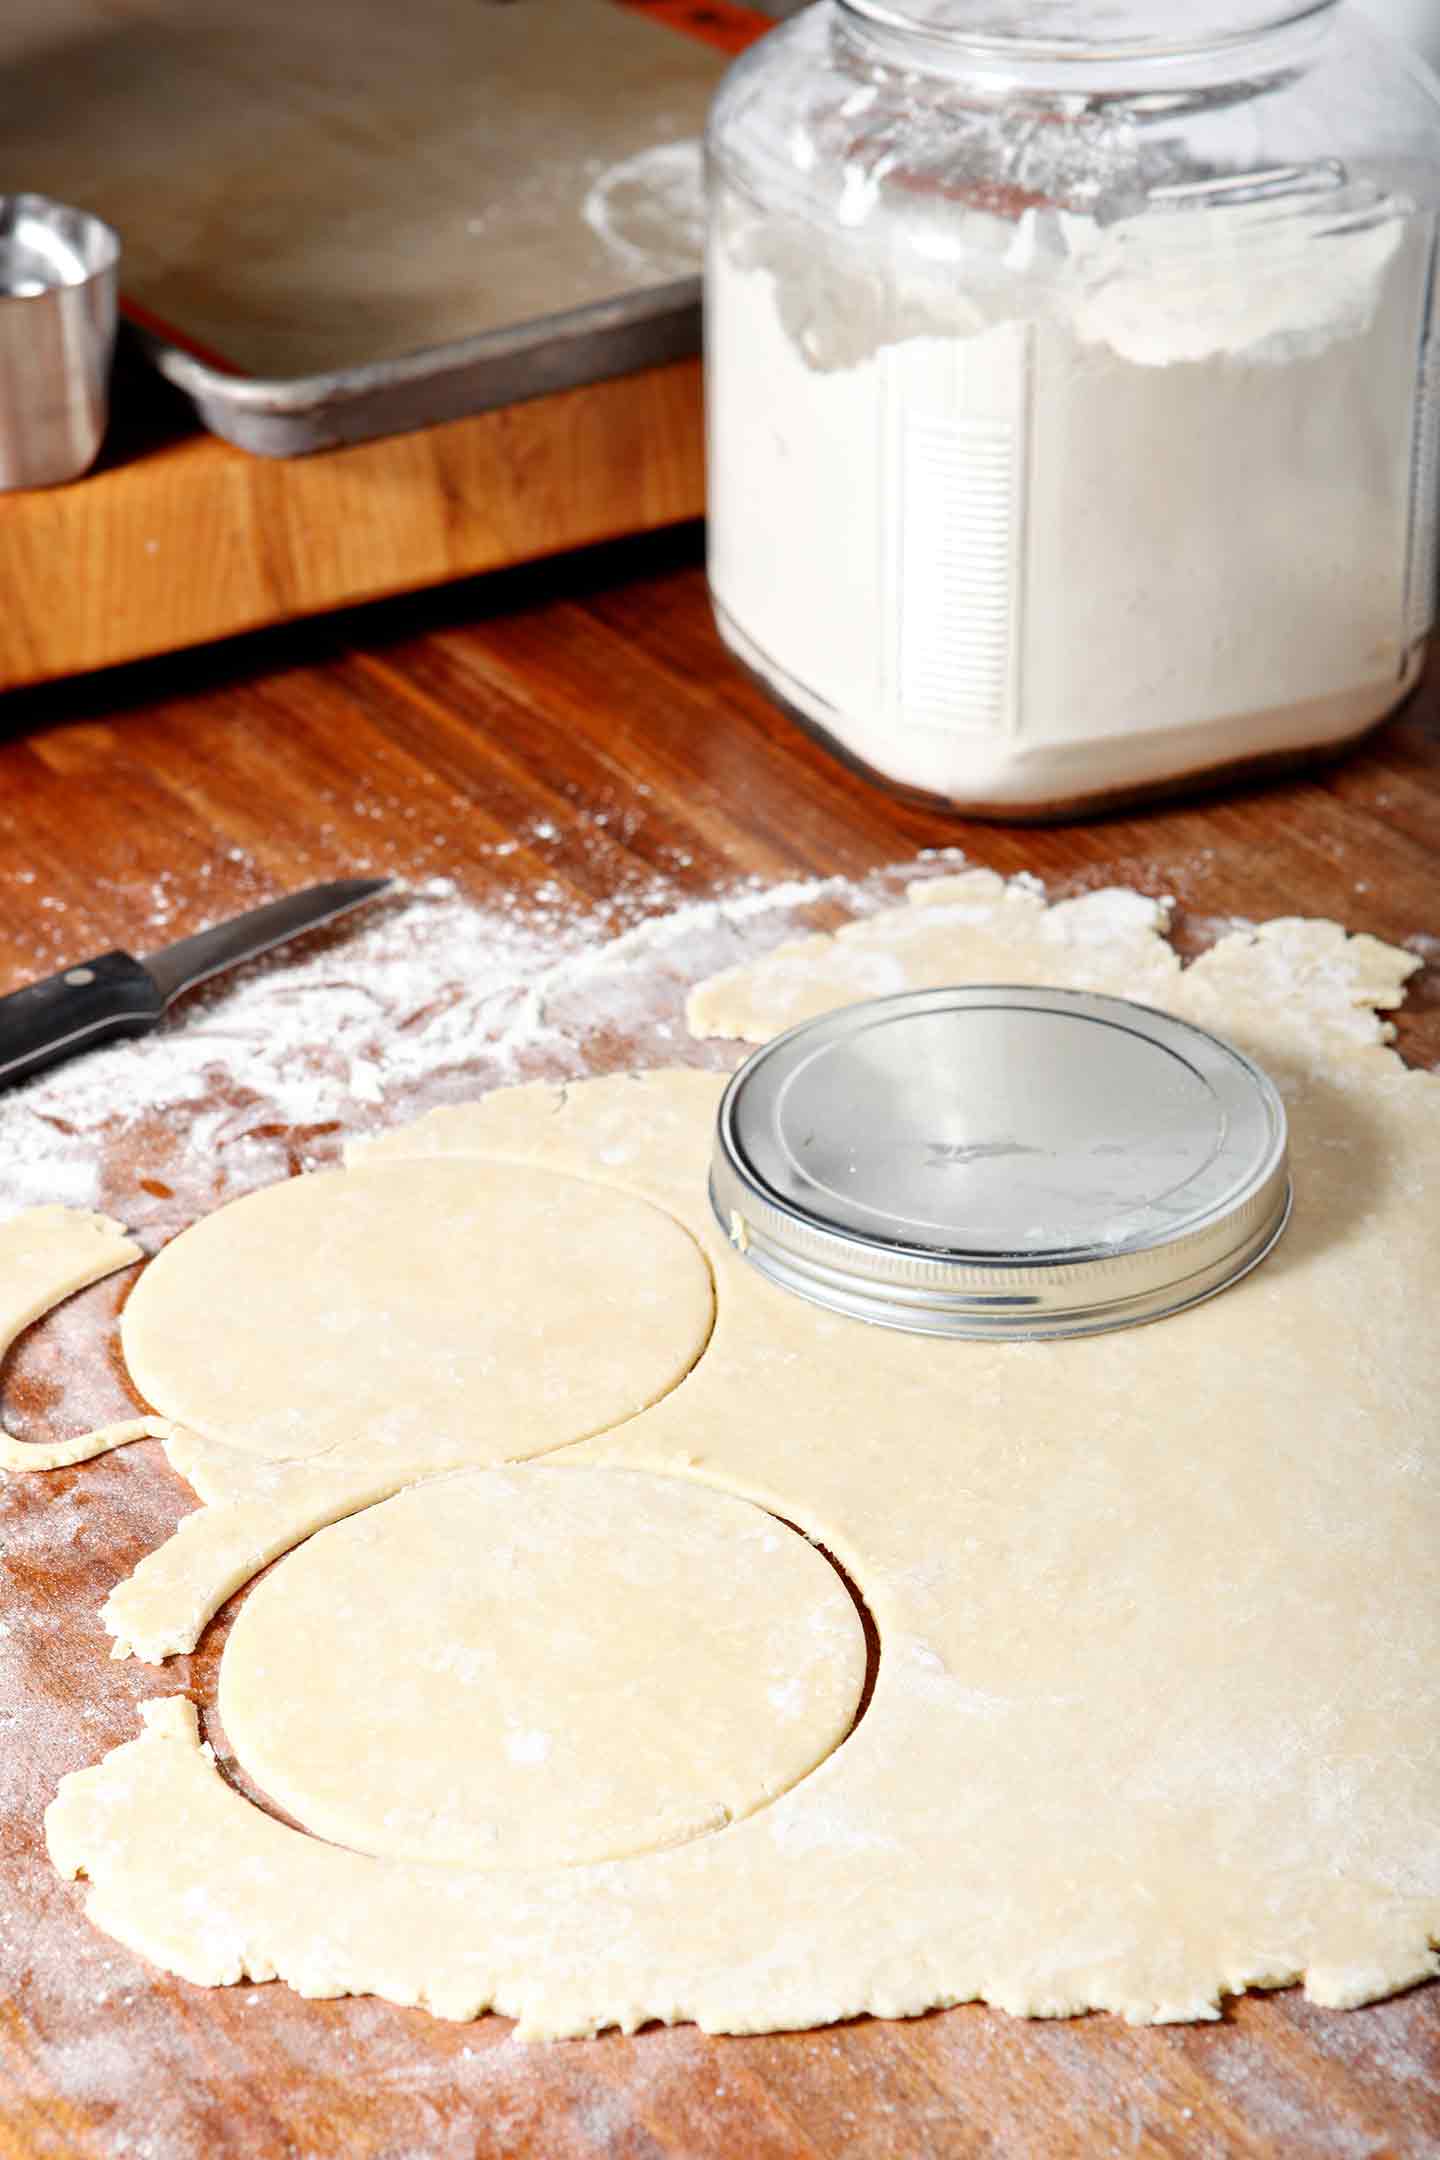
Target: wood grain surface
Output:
[(572, 728)]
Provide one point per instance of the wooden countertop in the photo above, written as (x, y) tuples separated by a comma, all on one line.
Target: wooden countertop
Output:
[(423, 737)]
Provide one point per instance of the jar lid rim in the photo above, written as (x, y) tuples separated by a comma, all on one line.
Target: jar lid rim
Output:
[(1104, 30)]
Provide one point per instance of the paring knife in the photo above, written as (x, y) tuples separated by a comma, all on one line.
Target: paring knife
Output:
[(115, 994)]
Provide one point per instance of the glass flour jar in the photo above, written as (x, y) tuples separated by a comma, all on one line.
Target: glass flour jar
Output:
[(1072, 387)]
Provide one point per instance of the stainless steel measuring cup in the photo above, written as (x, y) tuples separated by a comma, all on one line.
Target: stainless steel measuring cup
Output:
[(57, 337)]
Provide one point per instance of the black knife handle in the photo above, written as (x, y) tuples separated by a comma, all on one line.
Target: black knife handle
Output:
[(88, 1004)]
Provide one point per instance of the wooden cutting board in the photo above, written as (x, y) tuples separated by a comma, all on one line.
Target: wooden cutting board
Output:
[(179, 538)]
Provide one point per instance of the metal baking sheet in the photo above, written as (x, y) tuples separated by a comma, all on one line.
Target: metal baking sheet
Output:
[(348, 218)]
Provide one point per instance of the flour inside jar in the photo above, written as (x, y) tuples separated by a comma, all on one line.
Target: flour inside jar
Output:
[(1052, 459)]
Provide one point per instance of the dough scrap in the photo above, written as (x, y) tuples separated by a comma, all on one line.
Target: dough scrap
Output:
[(47, 1254), (161, 1609), (974, 927), (1157, 1709), (540, 1667), (418, 1317)]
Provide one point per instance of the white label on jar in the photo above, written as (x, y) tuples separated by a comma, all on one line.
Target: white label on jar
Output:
[(956, 469), (1424, 567)]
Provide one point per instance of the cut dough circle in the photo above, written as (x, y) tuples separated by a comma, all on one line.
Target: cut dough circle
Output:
[(425, 1313), (541, 1667)]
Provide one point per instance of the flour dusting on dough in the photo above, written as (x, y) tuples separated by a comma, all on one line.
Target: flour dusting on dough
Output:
[(1122, 1766)]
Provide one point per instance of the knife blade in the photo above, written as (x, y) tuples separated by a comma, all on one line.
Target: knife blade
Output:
[(115, 994)]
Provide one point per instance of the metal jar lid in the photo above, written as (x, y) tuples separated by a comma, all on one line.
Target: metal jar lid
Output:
[(993, 1161)]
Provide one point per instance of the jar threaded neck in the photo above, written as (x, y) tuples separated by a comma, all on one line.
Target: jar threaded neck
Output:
[(1086, 31)]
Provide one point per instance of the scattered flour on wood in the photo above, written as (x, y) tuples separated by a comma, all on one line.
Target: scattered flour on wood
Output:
[(421, 997)]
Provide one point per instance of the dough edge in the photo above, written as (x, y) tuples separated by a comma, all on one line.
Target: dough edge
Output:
[(417, 1961)]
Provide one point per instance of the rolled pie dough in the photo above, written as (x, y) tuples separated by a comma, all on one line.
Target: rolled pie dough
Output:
[(1155, 1713)]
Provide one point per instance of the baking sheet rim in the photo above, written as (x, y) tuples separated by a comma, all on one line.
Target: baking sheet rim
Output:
[(278, 416)]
